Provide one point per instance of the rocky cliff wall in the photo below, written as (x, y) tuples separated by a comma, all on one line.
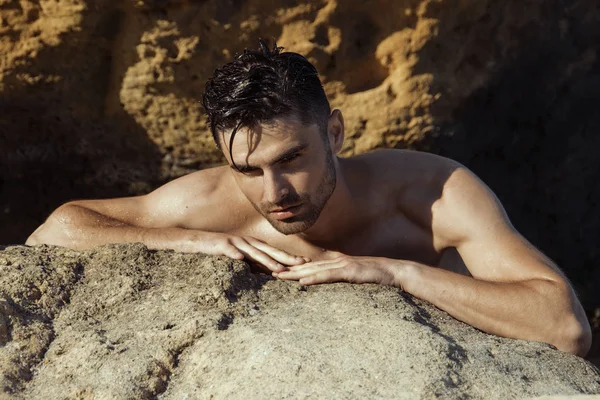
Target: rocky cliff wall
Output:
[(101, 98)]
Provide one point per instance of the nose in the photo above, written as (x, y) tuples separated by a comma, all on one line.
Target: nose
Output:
[(276, 188)]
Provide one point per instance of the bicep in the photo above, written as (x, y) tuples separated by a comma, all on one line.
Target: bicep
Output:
[(470, 217)]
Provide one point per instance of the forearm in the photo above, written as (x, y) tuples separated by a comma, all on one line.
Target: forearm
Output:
[(80, 228), (533, 310)]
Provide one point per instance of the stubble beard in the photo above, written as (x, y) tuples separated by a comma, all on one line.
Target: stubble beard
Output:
[(311, 208)]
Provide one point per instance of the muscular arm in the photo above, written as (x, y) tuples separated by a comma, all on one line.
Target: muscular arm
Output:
[(78, 225), (536, 309), (153, 219), (160, 220), (515, 291)]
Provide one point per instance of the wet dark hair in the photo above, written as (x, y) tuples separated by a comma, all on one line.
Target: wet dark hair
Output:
[(260, 85)]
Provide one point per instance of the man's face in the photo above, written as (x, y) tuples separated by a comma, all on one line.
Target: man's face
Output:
[(286, 171)]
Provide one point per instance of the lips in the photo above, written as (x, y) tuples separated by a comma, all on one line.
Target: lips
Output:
[(284, 209), (284, 213)]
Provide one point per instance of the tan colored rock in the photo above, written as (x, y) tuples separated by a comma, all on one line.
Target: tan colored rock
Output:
[(373, 57), (125, 322)]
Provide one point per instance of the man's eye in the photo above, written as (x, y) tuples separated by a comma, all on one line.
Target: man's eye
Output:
[(252, 172), (290, 158), (248, 171)]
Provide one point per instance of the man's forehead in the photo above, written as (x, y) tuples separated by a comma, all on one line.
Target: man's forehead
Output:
[(268, 138), (278, 127), (265, 152)]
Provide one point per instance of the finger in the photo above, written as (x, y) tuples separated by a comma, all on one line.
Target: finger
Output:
[(277, 254), (304, 270), (224, 250), (312, 264), (258, 256), (299, 274), (233, 252), (332, 254), (327, 276)]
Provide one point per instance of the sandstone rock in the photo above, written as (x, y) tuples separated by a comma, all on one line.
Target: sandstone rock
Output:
[(124, 322)]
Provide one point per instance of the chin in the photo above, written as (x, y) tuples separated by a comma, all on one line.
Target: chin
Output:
[(291, 226)]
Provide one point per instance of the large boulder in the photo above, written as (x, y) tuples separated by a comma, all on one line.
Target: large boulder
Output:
[(124, 322)]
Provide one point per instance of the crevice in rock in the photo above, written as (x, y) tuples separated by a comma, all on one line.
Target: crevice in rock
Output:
[(457, 355), (244, 280), (167, 368), (224, 322)]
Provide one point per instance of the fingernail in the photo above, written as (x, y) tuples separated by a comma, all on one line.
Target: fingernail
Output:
[(275, 274), (306, 259)]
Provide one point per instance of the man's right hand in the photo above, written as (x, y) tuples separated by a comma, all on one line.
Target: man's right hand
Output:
[(247, 248)]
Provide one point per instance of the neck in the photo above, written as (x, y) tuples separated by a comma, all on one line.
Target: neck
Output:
[(336, 217)]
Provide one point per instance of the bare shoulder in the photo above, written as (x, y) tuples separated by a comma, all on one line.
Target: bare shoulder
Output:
[(408, 169), (194, 200), (441, 195), (437, 193), (199, 184), (199, 200), (414, 179), (468, 210)]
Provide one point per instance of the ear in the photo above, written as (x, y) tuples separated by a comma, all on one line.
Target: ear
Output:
[(335, 130)]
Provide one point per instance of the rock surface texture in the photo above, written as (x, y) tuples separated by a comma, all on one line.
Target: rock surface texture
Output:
[(125, 322)]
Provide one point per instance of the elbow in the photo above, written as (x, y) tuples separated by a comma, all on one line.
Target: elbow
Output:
[(33, 239), (568, 328), (576, 337), (54, 231), (37, 237), (573, 328)]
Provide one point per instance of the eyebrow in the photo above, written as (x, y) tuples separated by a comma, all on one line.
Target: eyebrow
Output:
[(248, 167)]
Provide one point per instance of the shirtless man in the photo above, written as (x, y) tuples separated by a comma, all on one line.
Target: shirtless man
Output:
[(286, 203)]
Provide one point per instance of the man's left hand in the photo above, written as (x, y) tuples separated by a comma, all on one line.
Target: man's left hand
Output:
[(344, 269)]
